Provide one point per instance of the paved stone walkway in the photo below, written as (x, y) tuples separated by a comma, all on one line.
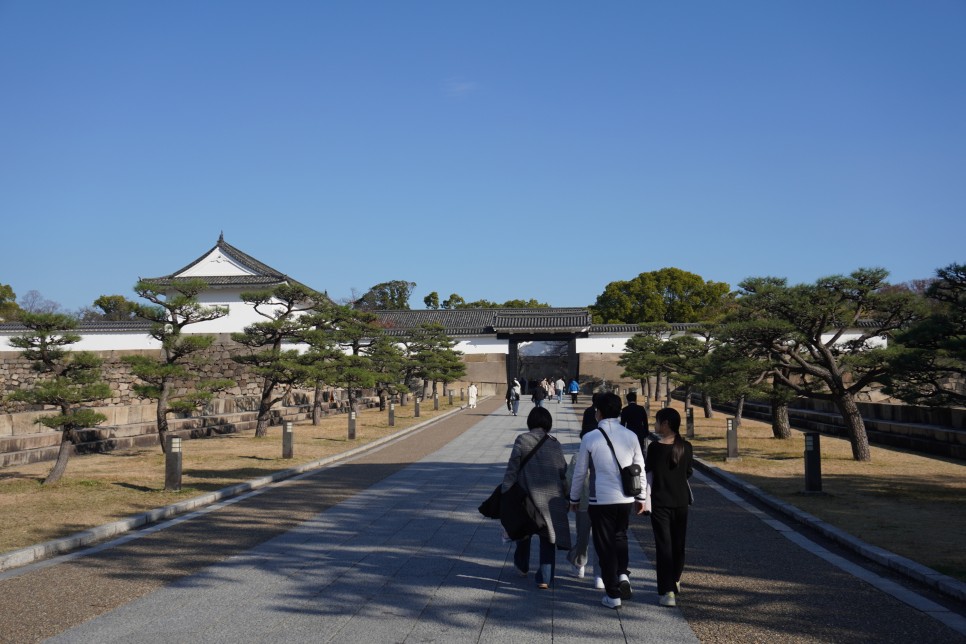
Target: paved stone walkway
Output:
[(409, 560)]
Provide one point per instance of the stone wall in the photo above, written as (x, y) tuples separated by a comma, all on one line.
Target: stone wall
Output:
[(125, 406)]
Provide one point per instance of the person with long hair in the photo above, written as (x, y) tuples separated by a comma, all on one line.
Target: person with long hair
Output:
[(543, 478), (669, 466)]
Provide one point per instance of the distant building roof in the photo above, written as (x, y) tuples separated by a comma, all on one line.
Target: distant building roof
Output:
[(490, 321), (226, 266)]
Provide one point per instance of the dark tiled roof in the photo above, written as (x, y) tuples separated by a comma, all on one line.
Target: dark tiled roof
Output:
[(639, 328), (542, 320), (263, 274), (488, 321), (110, 326)]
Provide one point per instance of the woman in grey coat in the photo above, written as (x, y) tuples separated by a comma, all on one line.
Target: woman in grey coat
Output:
[(544, 477)]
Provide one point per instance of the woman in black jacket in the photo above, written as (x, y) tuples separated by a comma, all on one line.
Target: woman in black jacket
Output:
[(668, 466)]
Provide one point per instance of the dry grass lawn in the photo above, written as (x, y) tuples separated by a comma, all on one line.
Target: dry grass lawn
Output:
[(102, 488), (912, 505)]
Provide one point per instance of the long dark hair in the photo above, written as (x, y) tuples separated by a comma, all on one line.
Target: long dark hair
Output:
[(673, 419)]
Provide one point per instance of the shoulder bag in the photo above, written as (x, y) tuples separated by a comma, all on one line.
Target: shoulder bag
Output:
[(514, 508), (630, 475)]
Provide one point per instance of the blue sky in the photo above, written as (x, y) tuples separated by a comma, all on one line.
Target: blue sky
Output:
[(497, 150)]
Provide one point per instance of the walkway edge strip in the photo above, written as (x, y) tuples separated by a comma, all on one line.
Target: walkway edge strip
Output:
[(64, 545), (943, 583)]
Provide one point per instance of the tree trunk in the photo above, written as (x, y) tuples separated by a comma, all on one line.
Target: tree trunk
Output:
[(739, 408), (317, 405), (657, 386), (264, 409), (667, 389), (687, 399), (60, 465), (646, 387), (708, 409), (162, 415), (855, 426), (780, 426)]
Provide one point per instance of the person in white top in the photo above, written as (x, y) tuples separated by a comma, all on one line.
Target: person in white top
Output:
[(471, 392), (609, 507), (559, 386)]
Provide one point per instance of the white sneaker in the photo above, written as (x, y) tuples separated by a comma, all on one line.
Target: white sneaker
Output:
[(625, 585), (668, 600), (579, 571), (611, 602), (598, 583)]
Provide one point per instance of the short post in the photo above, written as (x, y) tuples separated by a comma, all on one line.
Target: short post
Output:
[(461, 394), (813, 462), (172, 464), (451, 398), (352, 422), (287, 434), (732, 436), (435, 401), (416, 407), (392, 414), (663, 404), (689, 415), (647, 408)]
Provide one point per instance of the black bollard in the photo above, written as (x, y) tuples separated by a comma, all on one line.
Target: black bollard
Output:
[(392, 414), (172, 464), (450, 397), (689, 414), (813, 463), (416, 411), (732, 436), (352, 422), (435, 401)]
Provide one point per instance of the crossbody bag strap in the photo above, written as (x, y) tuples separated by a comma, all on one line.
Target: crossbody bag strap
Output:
[(534, 450), (611, 446)]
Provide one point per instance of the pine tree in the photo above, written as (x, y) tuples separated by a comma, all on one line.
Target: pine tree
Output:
[(68, 380)]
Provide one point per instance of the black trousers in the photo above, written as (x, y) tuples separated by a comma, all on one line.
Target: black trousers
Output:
[(670, 531), (609, 528)]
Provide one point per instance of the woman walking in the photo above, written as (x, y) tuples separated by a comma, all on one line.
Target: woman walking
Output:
[(669, 465), (543, 478)]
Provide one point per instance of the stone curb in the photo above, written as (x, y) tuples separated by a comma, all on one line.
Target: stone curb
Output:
[(47, 549), (943, 583)]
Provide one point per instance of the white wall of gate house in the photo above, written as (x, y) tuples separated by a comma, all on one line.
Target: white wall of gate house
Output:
[(138, 340)]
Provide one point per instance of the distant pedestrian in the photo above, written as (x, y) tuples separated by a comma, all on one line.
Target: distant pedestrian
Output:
[(609, 448), (538, 396), (543, 478), (634, 418), (513, 397), (668, 467), (559, 388), (589, 420), (471, 393), (574, 390)]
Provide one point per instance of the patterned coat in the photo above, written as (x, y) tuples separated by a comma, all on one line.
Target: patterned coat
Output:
[(544, 477)]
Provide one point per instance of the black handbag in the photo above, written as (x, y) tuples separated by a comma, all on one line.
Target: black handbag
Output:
[(630, 475), (514, 508)]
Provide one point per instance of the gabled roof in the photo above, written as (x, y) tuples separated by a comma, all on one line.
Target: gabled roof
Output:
[(489, 321), (239, 269)]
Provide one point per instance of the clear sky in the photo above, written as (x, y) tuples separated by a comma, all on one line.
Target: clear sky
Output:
[(494, 149)]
